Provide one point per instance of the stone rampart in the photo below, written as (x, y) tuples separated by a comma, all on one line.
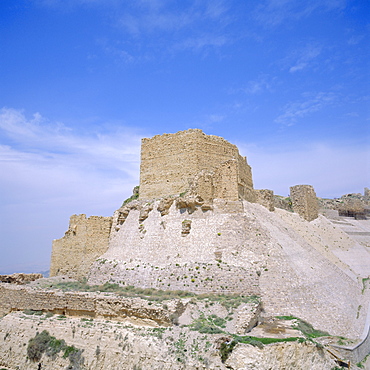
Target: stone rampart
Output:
[(304, 201), (218, 278), (170, 162), (85, 240), (86, 304)]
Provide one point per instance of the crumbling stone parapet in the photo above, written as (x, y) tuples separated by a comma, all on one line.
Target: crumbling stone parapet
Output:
[(85, 240), (304, 201)]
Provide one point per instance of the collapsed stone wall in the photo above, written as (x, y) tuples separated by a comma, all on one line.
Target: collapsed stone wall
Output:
[(304, 201), (266, 198), (349, 205), (85, 240), (86, 304), (170, 162)]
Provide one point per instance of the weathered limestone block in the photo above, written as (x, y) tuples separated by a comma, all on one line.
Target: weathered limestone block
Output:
[(304, 201), (144, 212), (189, 202), (226, 180), (290, 355), (122, 215), (85, 241), (165, 205), (247, 316), (265, 197), (202, 186)]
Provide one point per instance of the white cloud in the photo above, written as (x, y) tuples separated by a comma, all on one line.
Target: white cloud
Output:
[(274, 12), (333, 169), (148, 16), (304, 57), (261, 84), (49, 172), (294, 111), (201, 42)]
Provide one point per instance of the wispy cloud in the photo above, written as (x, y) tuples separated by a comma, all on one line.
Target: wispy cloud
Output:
[(262, 84), (50, 171), (294, 111), (53, 150), (162, 25), (304, 57), (151, 16), (274, 12), (332, 168), (200, 42)]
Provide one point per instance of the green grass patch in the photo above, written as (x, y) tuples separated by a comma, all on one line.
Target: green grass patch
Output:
[(364, 281), (305, 328), (208, 325), (227, 347)]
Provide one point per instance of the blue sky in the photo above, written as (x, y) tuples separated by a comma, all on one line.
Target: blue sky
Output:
[(82, 81)]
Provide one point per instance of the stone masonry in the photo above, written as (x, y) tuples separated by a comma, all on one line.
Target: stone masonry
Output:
[(85, 304), (304, 201), (85, 240), (170, 163)]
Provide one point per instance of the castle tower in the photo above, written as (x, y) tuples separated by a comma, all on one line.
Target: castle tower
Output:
[(170, 163)]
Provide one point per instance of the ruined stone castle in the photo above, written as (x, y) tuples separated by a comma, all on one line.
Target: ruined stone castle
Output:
[(199, 225), (190, 169)]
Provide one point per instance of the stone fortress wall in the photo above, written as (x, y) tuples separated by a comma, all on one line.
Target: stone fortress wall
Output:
[(85, 304), (170, 162), (85, 240)]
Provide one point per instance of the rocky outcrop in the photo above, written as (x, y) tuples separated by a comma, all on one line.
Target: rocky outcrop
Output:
[(19, 278), (280, 356)]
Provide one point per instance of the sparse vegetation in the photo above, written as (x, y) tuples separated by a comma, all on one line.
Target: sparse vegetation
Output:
[(32, 312), (208, 325), (364, 281), (306, 328), (227, 300), (134, 196), (45, 343), (227, 347)]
